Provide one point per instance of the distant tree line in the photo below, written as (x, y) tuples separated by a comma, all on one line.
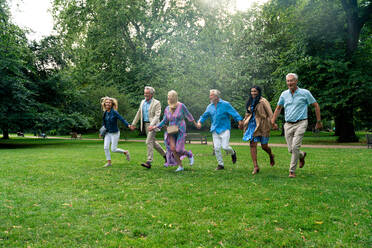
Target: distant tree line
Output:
[(117, 47)]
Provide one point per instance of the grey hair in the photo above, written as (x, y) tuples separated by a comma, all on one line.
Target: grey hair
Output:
[(215, 92), (292, 74), (152, 90)]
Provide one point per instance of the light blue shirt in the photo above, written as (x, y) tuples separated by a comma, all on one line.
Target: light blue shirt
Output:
[(295, 106), (145, 110), (220, 116)]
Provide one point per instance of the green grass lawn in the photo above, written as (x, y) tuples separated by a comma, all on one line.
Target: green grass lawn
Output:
[(55, 193), (321, 138)]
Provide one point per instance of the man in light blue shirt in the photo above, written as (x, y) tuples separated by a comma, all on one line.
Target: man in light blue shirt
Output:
[(295, 101), (220, 111)]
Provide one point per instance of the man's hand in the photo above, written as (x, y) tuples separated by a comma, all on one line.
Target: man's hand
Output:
[(319, 125), (274, 125), (240, 125), (198, 125), (131, 127), (151, 128)]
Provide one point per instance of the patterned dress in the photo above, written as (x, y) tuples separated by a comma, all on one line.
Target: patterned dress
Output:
[(248, 135), (176, 118)]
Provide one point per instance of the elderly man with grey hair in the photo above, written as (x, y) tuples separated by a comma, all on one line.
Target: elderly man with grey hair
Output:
[(220, 111), (295, 101), (149, 115)]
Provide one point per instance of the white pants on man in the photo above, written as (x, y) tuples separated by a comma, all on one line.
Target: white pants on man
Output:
[(293, 135), (221, 141), (113, 139)]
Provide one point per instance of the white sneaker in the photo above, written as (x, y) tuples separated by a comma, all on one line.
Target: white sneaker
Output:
[(179, 169), (191, 160), (106, 165), (127, 155)]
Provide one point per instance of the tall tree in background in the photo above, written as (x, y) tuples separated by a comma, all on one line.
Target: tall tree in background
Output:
[(17, 106), (317, 42)]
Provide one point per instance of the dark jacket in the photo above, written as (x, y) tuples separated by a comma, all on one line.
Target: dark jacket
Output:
[(112, 123)]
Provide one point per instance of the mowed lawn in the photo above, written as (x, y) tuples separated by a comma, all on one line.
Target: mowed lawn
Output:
[(55, 193)]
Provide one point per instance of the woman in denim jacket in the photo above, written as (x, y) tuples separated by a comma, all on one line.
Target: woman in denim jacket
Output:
[(112, 135)]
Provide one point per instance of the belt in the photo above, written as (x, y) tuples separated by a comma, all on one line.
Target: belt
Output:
[(294, 122), (146, 122)]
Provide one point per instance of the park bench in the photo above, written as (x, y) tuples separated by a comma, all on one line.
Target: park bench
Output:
[(41, 135), (75, 135), (369, 140), (196, 137)]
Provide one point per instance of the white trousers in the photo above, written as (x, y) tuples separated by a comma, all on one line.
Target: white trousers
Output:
[(221, 141), (112, 138)]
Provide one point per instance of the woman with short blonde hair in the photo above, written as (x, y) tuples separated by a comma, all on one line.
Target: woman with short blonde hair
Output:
[(112, 134)]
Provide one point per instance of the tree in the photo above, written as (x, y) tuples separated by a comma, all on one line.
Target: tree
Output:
[(17, 106)]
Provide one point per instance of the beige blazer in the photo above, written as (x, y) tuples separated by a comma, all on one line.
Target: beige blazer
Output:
[(263, 115), (154, 113)]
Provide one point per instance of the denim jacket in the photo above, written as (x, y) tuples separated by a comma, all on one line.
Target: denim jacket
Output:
[(112, 123)]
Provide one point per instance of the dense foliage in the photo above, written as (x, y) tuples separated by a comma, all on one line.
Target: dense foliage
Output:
[(117, 47)]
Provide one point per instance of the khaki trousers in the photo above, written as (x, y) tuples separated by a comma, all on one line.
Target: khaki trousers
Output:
[(293, 135), (151, 143)]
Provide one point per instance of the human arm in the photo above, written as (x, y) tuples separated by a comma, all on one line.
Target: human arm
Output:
[(236, 116), (157, 108), (277, 111), (136, 118), (121, 119), (318, 124)]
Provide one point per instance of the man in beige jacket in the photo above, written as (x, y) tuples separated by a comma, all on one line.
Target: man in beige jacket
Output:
[(149, 114)]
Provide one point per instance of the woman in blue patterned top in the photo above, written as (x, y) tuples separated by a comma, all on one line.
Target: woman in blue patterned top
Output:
[(110, 122), (257, 125)]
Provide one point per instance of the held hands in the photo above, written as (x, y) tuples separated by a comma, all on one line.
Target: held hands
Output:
[(151, 128), (132, 127), (198, 125), (240, 125), (274, 125)]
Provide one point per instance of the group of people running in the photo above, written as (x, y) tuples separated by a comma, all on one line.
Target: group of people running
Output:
[(259, 119)]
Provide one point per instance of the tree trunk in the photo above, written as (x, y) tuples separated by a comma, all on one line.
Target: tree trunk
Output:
[(345, 126), (5, 134)]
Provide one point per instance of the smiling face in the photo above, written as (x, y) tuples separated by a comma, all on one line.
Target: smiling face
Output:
[(291, 83), (213, 98), (147, 94), (254, 93), (108, 104)]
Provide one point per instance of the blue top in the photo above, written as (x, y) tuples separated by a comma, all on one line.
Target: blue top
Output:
[(220, 116), (110, 121), (145, 110), (295, 106)]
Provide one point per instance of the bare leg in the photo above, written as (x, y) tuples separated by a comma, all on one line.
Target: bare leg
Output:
[(267, 149), (253, 146), (172, 144)]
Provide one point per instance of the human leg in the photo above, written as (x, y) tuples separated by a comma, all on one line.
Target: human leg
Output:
[(297, 142), (106, 147), (253, 148), (267, 149), (114, 145), (217, 142), (172, 143)]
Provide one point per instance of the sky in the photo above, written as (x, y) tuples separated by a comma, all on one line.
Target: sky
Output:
[(35, 15)]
